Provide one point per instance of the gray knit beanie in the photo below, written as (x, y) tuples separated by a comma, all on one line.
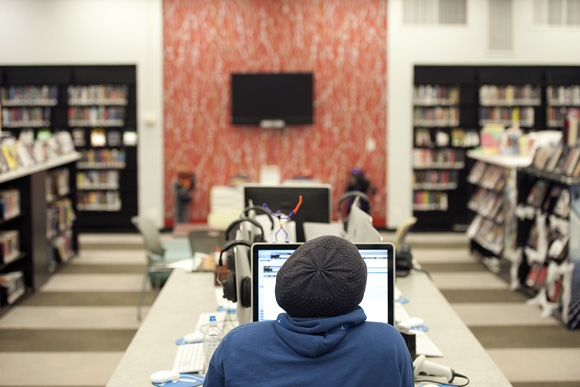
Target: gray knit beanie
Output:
[(324, 277)]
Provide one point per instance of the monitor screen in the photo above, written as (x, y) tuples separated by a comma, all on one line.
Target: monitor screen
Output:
[(272, 96), (378, 301), (315, 207)]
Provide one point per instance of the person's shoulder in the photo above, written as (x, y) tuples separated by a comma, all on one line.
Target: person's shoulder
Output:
[(249, 330), (381, 335), (379, 330)]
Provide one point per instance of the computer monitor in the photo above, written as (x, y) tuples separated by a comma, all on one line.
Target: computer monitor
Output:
[(360, 229), (378, 301), (315, 207)]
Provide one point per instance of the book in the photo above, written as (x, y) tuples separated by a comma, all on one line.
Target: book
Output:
[(551, 198), (13, 285), (562, 206), (537, 193), (560, 165), (576, 172), (9, 155), (114, 138), (534, 275), (79, 137), (541, 157), (554, 158), (574, 157)]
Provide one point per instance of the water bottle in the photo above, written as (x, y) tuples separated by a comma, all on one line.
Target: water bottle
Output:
[(211, 340)]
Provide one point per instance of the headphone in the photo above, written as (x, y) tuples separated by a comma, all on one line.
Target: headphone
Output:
[(257, 238), (229, 284), (354, 194), (261, 209)]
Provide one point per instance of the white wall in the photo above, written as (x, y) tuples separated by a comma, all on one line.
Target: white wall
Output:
[(453, 45), (99, 32)]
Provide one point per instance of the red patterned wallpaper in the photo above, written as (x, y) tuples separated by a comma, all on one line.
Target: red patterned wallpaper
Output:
[(342, 42)]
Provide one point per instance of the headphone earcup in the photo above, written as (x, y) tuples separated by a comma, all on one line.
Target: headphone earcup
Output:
[(246, 296), (229, 286)]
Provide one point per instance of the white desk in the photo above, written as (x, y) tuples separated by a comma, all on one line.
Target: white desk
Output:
[(186, 295), (462, 352)]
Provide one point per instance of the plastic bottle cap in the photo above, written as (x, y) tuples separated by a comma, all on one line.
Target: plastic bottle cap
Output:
[(212, 318)]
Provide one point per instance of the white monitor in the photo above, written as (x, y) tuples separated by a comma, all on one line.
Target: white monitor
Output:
[(359, 228)]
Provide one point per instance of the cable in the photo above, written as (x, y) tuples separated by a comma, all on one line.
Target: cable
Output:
[(421, 270), (455, 375)]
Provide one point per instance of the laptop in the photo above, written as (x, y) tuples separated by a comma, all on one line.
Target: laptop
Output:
[(378, 301)]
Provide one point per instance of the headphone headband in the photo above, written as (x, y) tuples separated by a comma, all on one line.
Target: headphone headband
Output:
[(241, 220), (261, 209)]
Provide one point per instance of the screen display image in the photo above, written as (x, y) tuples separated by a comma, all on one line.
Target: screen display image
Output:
[(272, 96), (378, 301)]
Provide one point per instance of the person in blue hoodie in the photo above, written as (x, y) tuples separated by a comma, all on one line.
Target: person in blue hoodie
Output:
[(323, 339)]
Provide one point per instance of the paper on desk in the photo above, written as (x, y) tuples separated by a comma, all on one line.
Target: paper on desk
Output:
[(189, 264)]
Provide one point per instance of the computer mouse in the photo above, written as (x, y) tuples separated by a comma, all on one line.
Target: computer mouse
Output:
[(411, 322), (194, 337), (164, 376)]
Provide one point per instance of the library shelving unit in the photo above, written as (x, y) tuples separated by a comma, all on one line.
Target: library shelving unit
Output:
[(533, 97), (37, 228), (549, 225), (97, 105), (30, 100), (562, 94), (512, 96), (493, 230), (443, 129)]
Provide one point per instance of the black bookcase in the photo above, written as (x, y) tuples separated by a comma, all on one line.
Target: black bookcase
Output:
[(472, 110), (452, 214), (46, 236), (117, 160)]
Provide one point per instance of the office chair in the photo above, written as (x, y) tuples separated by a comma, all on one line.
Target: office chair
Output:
[(159, 262), (206, 241), (403, 255)]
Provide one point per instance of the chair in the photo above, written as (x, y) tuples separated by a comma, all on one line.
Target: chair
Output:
[(403, 230), (161, 258)]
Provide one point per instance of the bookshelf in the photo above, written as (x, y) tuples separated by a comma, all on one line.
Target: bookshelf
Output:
[(443, 129), (534, 97), (493, 230), (97, 105), (37, 228), (548, 224)]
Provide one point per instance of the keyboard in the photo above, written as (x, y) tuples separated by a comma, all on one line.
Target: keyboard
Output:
[(189, 358), (424, 345)]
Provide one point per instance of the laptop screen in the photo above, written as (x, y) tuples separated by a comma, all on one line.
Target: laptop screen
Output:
[(378, 301)]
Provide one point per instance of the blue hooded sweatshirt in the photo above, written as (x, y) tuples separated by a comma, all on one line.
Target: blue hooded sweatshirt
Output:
[(331, 351)]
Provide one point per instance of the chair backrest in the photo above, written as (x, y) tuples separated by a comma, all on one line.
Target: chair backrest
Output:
[(403, 231), (203, 241), (150, 235)]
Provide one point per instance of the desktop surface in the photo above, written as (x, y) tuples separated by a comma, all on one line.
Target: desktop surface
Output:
[(186, 296)]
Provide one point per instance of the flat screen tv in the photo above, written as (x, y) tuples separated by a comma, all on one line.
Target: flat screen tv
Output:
[(272, 99)]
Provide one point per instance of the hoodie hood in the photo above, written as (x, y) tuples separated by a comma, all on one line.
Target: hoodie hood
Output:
[(312, 337)]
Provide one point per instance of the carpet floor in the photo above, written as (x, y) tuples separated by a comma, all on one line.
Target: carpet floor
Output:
[(74, 331)]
